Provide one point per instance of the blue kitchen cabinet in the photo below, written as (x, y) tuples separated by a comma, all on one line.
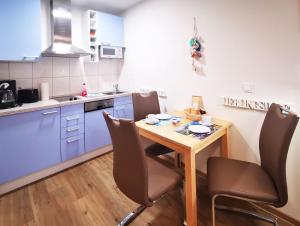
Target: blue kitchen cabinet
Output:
[(96, 131), (29, 142), (124, 111), (123, 107), (72, 131), (72, 147), (20, 23), (111, 29)]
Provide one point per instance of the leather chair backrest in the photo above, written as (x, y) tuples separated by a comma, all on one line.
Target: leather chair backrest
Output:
[(275, 137), (144, 105), (129, 160)]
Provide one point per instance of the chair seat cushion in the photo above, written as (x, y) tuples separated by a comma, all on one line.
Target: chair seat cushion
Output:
[(152, 148), (161, 179), (239, 178)]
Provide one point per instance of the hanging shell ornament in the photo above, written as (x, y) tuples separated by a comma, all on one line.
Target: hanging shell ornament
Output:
[(195, 48)]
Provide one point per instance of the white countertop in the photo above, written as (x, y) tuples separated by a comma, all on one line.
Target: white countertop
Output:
[(40, 105)]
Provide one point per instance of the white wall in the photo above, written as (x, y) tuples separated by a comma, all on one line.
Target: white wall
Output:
[(254, 41)]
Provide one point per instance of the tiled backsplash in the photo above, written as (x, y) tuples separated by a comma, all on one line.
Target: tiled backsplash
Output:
[(64, 75)]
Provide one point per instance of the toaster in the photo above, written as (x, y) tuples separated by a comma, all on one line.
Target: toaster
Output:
[(28, 95)]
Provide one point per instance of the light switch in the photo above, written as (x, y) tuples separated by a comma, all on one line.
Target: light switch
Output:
[(248, 87)]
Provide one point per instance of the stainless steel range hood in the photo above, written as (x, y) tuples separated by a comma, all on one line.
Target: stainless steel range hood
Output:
[(61, 29)]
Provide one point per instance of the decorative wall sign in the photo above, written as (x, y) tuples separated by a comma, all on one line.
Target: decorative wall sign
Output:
[(250, 104)]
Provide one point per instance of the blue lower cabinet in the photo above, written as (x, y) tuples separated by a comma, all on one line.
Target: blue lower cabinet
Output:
[(96, 131), (123, 107), (72, 131), (72, 120), (29, 142), (124, 111), (72, 147), (123, 100), (72, 110)]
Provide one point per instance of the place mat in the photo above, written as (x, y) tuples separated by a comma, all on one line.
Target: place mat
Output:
[(185, 131), (166, 121)]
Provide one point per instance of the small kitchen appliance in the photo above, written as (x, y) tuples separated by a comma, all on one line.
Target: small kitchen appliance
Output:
[(111, 52), (28, 95), (7, 94)]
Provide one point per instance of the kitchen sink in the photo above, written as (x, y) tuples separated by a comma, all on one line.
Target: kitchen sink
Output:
[(113, 92)]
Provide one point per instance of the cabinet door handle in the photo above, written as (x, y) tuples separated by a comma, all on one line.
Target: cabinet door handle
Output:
[(30, 58), (50, 113), (73, 118), (72, 140), (71, 129)]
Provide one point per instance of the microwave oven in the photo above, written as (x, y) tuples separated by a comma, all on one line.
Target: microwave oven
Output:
[(111, 52)]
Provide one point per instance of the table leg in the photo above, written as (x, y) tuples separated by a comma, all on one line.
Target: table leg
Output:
[(225, 144), (190, 188), (177, 160)]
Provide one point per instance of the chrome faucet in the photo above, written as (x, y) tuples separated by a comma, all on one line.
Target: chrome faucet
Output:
[(116, 87)]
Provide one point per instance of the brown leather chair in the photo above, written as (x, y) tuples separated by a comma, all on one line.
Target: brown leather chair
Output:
[(139, 177), (265, 183), (144, 105)]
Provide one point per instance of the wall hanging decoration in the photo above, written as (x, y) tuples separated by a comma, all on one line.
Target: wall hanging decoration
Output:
[(196, 49)]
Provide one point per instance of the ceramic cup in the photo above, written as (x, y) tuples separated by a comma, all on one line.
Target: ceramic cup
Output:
[(151, 116), (176, 121), (206, 119)]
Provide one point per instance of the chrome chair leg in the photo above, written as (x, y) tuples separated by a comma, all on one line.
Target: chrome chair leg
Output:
[(182, 195), (132, 215), (248, 213)]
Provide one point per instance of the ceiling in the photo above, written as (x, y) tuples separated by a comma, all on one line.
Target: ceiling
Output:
[(110, 6)]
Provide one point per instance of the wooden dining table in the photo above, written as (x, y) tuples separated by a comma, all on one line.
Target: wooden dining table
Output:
[(188, 146)]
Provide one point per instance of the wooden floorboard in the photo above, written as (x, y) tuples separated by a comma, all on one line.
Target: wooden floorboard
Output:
[(86, 195)]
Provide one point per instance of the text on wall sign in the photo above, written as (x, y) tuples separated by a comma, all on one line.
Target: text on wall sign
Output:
[(250, 104)]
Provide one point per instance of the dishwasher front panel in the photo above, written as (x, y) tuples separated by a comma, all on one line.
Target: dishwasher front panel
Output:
[(96, 131)]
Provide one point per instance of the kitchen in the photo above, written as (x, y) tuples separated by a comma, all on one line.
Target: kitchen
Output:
[(148, 50)]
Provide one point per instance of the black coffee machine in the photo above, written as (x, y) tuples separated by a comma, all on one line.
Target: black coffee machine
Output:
[(7, 94)]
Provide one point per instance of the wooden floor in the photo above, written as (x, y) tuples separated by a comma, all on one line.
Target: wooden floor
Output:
[(86, 195)]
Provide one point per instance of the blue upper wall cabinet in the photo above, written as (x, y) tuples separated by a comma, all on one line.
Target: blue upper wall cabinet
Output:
[(111, 29), (20, 23)]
